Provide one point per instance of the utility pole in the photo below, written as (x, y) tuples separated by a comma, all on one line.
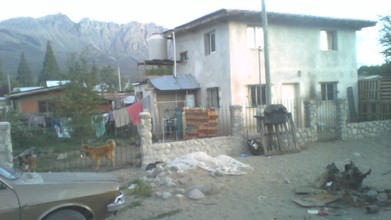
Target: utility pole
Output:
[(119, 79), (266, 53), (260, 75)]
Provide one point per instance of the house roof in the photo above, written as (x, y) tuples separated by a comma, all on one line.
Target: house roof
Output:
[(25, 89), (223, 15), (171, 83), (34, 91)]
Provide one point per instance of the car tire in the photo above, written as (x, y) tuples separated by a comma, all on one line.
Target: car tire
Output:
[(66, 214)]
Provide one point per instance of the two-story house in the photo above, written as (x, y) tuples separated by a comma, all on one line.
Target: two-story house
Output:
[(310, 57)]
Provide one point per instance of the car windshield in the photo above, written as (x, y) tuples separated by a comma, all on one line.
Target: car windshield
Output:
[(8, 172)]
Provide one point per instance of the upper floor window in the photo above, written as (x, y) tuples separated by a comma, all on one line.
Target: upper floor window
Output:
[(212, 95), (254, 37), (329, 91), (328, 40), (210, 42), (183, 56), (257, 96)]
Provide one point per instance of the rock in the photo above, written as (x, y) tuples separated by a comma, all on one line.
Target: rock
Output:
[(382, 197), (166, 195), (179, 191), (196, 194), (217, 173), (211, 188), (171, 184), (62, 156), (182, 181), (154, 172), (372, 194), (158, 194), (168, 180), (179, 196)]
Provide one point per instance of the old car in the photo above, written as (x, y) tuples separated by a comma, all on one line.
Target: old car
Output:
[(60, 195)]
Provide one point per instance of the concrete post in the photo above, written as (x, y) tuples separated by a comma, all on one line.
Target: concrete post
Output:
[(342, 118), (236, 120), (5, 143), (311, 118), (145, 135)]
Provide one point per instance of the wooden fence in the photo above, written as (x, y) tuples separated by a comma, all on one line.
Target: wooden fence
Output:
[(374, 99)]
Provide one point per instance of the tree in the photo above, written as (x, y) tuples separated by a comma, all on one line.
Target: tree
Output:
[(385, 36), (50, 69), (382, 70), (94, 73), (159, 70), (23, 75), (79, 102), (3, 82), (108, 76)]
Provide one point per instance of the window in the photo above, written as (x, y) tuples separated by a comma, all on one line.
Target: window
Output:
[(328, 40), (212, 97), (44, 107), (183, 56), (210, 43), (256, 96), (254, 37), (329, 91)]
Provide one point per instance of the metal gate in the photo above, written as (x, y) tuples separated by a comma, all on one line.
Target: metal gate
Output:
[(327, 121)]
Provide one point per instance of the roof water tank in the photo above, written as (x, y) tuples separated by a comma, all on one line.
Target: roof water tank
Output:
[(157, 47)]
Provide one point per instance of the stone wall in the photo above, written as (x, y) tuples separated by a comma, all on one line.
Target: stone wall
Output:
[(5, 143), (309, 133), (232, 145), (367, 129), (348, 131), (235, 144)]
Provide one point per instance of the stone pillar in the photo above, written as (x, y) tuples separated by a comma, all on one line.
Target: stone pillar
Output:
[(236, 120), (5, 143), (311, 118), (342, 118), (145, 136)]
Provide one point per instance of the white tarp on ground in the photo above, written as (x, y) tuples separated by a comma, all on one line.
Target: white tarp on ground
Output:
[(222, 163)]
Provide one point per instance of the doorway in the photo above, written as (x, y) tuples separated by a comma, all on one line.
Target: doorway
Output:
[(290, 98)]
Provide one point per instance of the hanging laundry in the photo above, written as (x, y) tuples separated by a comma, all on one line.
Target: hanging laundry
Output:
[(121, 117), (111, 116), (61, 127), (36, 121), (99, 124), (134, 111)]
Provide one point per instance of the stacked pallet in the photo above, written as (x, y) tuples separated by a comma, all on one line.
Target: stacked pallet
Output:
[(200, 123)]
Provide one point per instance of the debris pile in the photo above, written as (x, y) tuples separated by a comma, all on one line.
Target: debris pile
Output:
[(342, 188)]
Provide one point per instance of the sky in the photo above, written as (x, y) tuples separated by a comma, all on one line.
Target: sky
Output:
[(172, 13)]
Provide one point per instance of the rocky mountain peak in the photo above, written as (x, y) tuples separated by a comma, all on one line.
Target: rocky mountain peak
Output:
[(107, 43)]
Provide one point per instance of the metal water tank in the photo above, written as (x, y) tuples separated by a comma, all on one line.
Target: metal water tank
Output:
[(157, 47)]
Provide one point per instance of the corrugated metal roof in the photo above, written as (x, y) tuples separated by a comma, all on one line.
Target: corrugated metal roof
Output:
[(34, 91), (171, 83), (26, 89)]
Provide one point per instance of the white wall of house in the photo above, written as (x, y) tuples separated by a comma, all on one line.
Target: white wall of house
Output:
[(211, 70), (292, 49)]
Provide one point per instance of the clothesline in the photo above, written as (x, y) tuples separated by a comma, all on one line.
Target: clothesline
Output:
[(127, 115)]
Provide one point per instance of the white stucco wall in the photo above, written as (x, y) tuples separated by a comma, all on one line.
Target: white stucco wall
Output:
[(294, 49), (211, 70), (234, 66)]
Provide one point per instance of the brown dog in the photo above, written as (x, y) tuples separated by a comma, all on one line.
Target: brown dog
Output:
[(96, 153), (28, 162)]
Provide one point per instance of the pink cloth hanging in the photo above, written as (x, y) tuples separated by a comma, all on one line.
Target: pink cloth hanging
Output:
[(134, 111)]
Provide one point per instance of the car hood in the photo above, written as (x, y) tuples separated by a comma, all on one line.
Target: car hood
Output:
[(36, 178)]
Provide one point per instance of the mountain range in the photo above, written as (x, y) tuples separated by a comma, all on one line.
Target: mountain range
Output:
[(105, 43)]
